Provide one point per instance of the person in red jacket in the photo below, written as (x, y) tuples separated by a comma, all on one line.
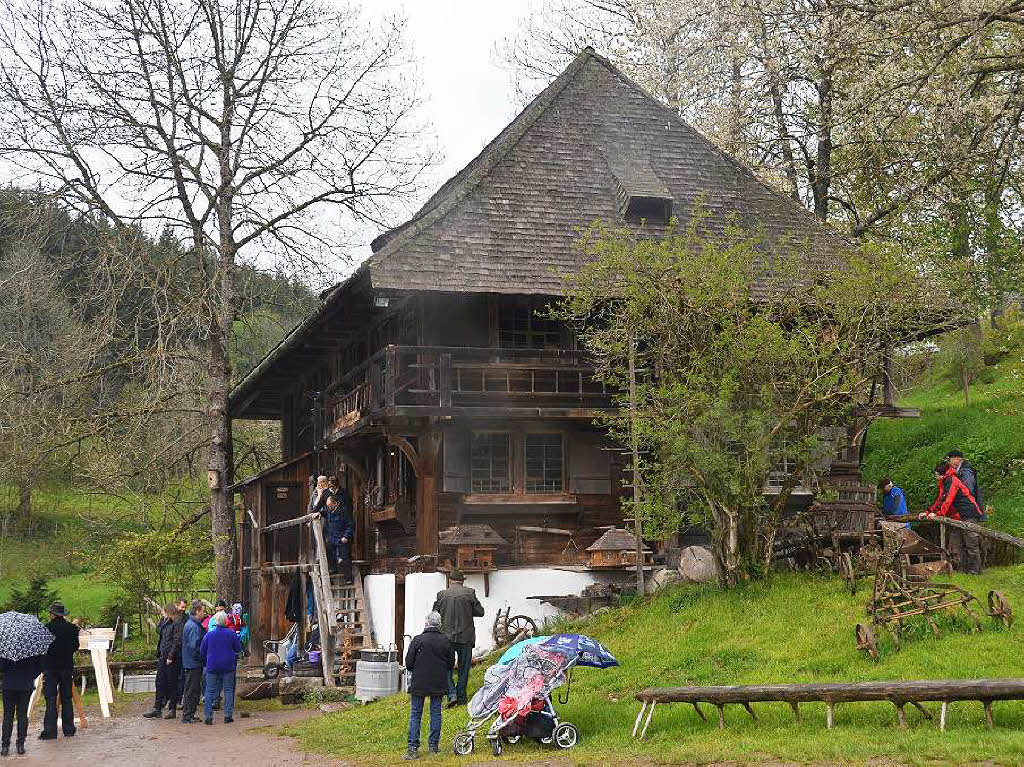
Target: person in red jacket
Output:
[(953, 500)]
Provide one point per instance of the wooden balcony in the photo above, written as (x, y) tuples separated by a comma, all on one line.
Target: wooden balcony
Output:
[(421, 380)]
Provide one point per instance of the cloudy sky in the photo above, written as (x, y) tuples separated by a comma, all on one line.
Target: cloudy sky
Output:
[(470, 98)]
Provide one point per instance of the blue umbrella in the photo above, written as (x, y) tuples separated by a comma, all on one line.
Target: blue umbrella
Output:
[(591, 653), (516, 650)]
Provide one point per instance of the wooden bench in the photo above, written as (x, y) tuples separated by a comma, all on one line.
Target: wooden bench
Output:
[(943, 691)]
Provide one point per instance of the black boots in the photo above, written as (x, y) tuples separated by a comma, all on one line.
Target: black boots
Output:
[(154, 714)]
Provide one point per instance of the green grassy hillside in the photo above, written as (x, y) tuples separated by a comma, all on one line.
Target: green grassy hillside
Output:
[(797, 628), (990, 432)]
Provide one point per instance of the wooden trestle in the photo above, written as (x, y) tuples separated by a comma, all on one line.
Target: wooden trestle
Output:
[(900, 694)]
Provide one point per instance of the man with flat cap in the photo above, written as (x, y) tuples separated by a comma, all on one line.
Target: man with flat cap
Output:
[(458, 607), (59, 673)]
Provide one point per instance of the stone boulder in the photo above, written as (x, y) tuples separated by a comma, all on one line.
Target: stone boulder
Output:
[(662, 578), (697, 565)]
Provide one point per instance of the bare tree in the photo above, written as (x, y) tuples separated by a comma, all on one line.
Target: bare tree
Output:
[(253, 128)]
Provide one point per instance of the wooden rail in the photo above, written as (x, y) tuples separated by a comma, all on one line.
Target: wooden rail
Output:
[(290, 523), (981, 530), (900, 694)]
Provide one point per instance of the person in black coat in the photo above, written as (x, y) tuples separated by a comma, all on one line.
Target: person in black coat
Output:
[(59, 674), (168, 666), (19, 681), (430, 659)]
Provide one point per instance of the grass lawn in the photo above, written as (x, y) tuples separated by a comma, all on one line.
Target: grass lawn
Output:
[(797, 628)]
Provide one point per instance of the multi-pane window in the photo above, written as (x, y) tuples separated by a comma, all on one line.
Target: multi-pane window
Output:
[(489, 469), (519, 327), (544, 461)]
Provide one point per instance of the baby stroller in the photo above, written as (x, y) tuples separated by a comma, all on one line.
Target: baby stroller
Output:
[(516, 699)]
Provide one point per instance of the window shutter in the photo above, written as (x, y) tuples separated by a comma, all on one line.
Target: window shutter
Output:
[(589, 464), (456, 461)]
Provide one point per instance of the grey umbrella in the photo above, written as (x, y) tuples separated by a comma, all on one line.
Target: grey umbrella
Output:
[(22, 636)]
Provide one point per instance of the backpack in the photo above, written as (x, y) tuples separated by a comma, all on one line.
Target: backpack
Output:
[(975, 492)]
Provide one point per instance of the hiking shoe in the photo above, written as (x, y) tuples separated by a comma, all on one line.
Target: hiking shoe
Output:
[(452, 703), (410, 754), (228, 719), (207, 721), (21, 749), (171, 714), (433, 750), (154, 714)]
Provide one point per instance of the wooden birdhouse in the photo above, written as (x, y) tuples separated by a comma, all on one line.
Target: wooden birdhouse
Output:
[(616, 548), (470, 548)]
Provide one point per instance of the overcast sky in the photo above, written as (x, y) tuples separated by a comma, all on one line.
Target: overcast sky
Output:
[(469, 97)]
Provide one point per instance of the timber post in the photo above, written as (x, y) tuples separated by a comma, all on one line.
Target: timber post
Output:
[(427, 512)]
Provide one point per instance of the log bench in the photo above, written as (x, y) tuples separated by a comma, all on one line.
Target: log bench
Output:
[(900, 694)]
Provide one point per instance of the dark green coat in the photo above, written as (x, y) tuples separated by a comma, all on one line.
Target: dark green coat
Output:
[(458, 606)]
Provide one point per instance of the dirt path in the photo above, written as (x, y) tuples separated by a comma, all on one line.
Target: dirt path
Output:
[(128, 739)]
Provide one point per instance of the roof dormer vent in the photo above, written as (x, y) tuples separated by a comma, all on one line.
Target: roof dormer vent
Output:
[(642, 195)]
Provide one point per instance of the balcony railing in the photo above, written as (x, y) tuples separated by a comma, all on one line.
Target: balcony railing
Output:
[(440, 378)]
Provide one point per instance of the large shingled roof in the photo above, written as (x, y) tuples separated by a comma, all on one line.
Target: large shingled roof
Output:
[(509, 221)]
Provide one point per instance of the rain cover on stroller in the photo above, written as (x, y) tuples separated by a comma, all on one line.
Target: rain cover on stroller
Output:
[(531, 676), (511, 689), (484, 702)]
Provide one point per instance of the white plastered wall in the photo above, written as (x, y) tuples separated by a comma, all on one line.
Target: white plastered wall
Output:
[(508, 588)]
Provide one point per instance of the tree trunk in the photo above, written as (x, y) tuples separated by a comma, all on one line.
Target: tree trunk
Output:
[(821, 182), (24, 502), (222, 512)]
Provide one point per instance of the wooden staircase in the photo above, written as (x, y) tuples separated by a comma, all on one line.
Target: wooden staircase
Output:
[(354, 630)]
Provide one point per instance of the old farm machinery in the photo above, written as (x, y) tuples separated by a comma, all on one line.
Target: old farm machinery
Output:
[(900, 595)]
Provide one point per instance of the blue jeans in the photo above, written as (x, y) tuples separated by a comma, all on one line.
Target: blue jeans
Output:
[(459, 679), (215, 681), (416, 717)]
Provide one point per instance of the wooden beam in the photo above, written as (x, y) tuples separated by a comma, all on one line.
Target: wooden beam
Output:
[(427, 512)]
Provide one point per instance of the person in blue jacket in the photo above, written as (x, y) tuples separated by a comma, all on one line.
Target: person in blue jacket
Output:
[(192, 662), (219, 650), (894, 502), (339, 527)]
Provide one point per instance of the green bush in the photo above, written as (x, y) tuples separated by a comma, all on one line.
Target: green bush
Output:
[(34, 599)]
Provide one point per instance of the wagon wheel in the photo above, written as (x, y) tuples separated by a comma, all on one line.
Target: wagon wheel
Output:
[(866, 640), (999, 607), (847, 571), (520, 623)]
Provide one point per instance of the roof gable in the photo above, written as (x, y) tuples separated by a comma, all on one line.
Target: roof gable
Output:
[(587, 146)]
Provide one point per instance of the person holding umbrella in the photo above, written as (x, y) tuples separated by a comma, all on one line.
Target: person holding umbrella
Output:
[(23, 640), (59, 673)]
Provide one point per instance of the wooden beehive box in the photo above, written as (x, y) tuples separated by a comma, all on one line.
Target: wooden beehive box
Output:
[(470, 548), (616, 548)]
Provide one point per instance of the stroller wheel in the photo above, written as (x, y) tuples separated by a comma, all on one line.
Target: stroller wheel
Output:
[(565, 735), (496, 746), (271, 670), (463, 745)]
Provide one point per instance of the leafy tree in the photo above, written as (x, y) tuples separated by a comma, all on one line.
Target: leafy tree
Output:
[(154, 563), (751, 369)]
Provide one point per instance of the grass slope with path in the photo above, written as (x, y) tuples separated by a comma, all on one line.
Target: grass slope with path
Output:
[(795, 628)]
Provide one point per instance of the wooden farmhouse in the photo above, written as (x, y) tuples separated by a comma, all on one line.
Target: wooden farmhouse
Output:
[(431, 385)]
